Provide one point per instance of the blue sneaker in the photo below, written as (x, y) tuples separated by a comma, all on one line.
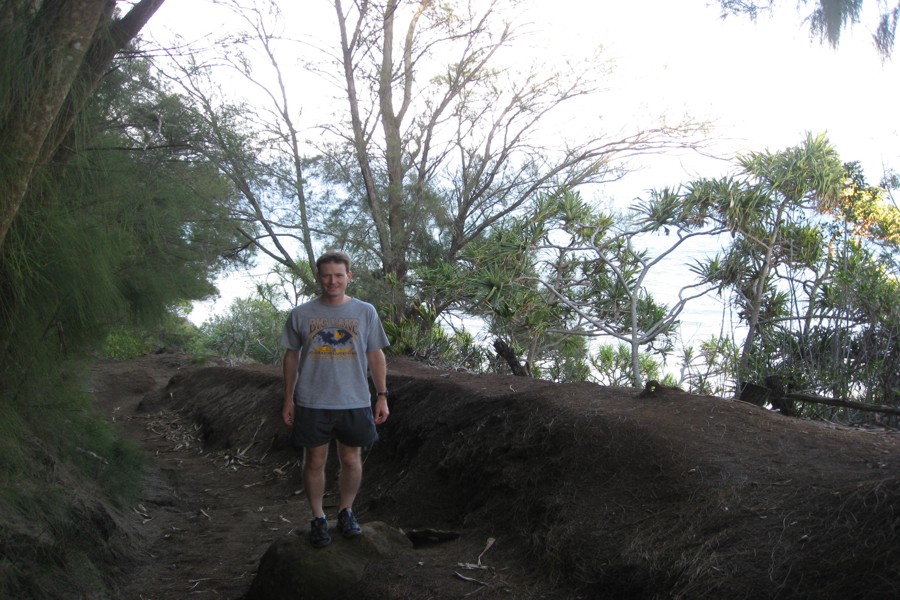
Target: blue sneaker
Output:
[(348, 524), (318, 532)]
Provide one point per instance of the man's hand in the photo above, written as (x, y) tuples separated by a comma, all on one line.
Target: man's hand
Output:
[(381, 410), (289, 370), (287, 414)]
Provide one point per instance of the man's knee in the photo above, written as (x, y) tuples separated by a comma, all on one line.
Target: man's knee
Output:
[(351, 457), (314, 459)]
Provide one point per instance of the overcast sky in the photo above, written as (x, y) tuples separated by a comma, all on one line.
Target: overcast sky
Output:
[(764, 84)]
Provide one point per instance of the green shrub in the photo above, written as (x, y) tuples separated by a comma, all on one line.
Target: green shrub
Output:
[(62, 469), (125, 343), (251, 328), (424, 339)]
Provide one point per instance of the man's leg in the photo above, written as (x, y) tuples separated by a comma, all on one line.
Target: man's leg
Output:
[(350, 477), (314, 460), (349, 482)]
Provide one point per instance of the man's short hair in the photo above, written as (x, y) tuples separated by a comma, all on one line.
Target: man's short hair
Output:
[(334, 256)]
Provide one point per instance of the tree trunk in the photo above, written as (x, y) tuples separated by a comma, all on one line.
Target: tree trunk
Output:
[(635, 342), (512, 359), (390, 125), (110, 38), (68, 54), (758, 295), (65, 29)]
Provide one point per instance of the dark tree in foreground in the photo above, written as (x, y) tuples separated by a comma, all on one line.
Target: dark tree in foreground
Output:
[(53, 56), (828, 19)]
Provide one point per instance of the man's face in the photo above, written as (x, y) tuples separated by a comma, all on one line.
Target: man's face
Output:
[(333, 277)]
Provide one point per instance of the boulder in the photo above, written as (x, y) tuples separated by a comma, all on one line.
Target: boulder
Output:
[(291, 569)]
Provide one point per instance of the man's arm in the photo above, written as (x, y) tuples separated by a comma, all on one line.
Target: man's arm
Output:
[(378, 368), (289, 369)]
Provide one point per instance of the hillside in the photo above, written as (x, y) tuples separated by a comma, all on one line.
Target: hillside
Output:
[(588, 491)]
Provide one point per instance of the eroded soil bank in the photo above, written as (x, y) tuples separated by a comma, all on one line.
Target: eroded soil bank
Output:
[(588, 492)]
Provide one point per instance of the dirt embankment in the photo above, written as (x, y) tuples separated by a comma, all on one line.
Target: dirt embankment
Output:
[(588, 492)]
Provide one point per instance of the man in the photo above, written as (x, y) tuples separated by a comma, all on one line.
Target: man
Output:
[(331, 342)]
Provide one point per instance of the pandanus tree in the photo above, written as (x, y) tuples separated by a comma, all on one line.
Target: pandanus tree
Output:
[(768, 209), (569, 272)]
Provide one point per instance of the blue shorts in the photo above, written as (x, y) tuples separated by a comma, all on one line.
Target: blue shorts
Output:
[(350, 426)]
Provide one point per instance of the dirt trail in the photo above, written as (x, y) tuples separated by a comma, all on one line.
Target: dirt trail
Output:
[(205, 518)]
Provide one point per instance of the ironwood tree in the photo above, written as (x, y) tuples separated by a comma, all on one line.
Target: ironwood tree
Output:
[(449, 137), (828, 19), (54, 54), (435, 135)]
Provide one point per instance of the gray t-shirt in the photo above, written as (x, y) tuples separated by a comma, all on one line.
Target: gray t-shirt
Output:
[(333, 342)]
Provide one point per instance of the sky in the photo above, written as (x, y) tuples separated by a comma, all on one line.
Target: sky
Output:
[(762, 84)]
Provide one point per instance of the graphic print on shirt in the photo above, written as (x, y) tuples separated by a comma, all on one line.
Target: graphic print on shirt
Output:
[(332, 338)]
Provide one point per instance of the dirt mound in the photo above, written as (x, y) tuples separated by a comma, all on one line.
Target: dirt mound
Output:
[(588, 491)]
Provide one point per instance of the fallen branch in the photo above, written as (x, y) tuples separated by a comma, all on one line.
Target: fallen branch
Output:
[(472, 579), (890, 410), (93, 455), (490, 542)]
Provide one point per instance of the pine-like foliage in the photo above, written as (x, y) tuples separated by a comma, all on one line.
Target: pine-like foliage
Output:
[(122, 225)]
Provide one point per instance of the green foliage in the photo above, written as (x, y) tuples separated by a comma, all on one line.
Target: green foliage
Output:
[(810, 175), (867, 209), (100, 454), (12, 446), (62, 466), (768, 211), (422, 337), (612, 366), (112, 236), (569, 271), (565, 361), (813, 274), (123, 225), (499, 282), (249, 329), (176, 333), (50, 401), (173, 333), (710, 367), (123, 344)]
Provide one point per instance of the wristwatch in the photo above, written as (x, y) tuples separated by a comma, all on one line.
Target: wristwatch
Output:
[(384, 393)]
